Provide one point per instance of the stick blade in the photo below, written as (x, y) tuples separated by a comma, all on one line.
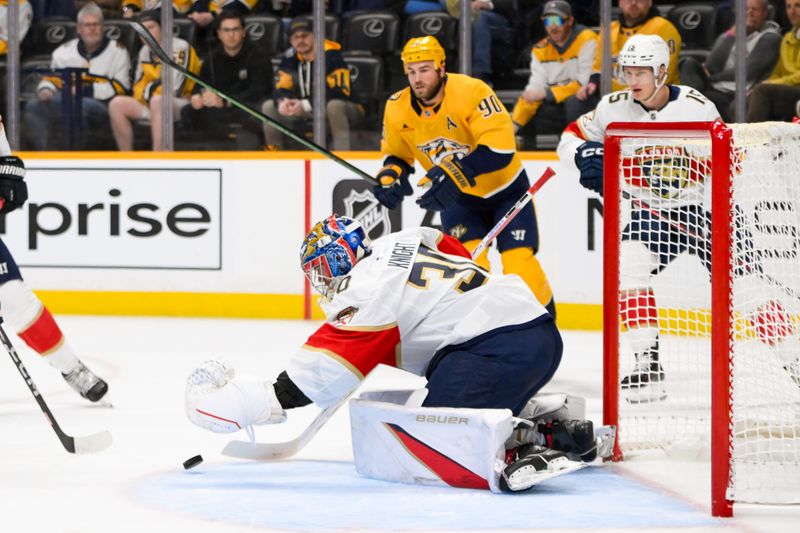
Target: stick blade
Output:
[(260, 451), (93, 443)]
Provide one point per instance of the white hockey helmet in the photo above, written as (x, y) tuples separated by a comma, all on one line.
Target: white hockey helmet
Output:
[(645, 51)]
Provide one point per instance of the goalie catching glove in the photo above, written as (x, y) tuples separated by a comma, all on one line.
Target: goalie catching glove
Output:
[(13, 190), (217, 401), (589, 160), (448, 181), (394, 184)]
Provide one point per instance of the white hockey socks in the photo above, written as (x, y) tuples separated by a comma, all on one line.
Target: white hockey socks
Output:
[(30, 319)]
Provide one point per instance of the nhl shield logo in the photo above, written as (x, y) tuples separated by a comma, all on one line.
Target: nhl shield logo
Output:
[(353, 198)]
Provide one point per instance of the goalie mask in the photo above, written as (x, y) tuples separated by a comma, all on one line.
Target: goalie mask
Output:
[(331, 250), (645, 51)]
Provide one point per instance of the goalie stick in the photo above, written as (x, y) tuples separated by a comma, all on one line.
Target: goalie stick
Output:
[(78, 445), (148, 38), (270, 451)]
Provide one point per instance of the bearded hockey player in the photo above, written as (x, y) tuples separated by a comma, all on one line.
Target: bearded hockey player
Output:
[(463, 137), (415, 300)]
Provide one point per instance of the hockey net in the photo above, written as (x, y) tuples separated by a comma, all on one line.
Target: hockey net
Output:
[(702, 328)]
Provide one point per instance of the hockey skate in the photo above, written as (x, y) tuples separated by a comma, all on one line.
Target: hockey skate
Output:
[(531, 464), (646, 383), (793, 369), (575, 438), (86, 383)]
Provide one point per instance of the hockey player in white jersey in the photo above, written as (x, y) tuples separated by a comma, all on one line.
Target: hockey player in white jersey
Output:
[(21, 310), (413, 300), (671, 178)]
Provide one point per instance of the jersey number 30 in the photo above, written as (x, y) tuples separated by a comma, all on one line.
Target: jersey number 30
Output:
[(429, 262)]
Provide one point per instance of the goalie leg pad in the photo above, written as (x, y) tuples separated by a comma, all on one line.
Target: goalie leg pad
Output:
[(430, 446)]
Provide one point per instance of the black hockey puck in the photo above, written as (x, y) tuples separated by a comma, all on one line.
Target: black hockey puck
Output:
[(192, 462)]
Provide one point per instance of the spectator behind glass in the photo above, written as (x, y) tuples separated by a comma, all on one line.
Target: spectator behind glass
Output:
[(236, 67), (131, 8), (488, 26), (560, 64), (636, 17), (716, 77), (295, 82), (146, 100), (775, 98), (25, 18), (108, 65)]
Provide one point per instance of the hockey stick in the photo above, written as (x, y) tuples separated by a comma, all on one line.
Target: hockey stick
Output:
[(271, 451), (686, 230), (513, 212), (79, 445), (148, 38)]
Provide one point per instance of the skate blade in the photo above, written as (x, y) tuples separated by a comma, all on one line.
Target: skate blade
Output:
[(649, 394), (527, 476)]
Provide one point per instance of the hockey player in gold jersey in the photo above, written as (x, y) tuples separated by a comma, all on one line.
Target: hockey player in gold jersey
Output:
[(463, 137)]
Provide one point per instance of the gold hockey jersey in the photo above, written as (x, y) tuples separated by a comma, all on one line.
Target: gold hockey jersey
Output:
[(469, 114), (652, 26)]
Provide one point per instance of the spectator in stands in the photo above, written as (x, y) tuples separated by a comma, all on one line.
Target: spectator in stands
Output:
[(203, 12), (236, 67), (146, 100), (422, 6), (561, 64), (25, 19), (490, 25), (131, 8), (774, 99), (295, 80), (716, 77), (636, 16), (111, 8), (108, 75)]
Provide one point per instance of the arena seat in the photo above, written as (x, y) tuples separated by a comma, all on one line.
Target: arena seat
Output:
[(377, 33), (265, 31), (439, 24), (49, 34)]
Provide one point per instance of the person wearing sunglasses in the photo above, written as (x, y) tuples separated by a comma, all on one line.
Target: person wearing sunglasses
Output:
[(561, 64)]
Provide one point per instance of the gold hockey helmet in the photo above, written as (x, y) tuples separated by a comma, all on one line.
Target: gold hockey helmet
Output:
[(422, 49)]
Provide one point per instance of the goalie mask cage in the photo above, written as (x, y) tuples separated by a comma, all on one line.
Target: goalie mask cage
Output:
[(717, 319)]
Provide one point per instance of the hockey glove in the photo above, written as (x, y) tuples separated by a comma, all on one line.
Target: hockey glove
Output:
[(448, 180), (394, 184), (589, 160), (13, 190)]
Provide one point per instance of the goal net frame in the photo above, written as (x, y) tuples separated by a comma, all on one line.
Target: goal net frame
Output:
[(721, 140)]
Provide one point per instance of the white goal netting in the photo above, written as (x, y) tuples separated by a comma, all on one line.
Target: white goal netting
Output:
[(665, 265)]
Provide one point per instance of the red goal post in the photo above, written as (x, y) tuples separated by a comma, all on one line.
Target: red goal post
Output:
[(656, 175)]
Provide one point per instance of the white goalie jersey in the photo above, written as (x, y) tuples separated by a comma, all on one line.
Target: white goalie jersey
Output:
[(417, 292), (666, 174)]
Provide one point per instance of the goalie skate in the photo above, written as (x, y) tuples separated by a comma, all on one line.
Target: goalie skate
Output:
[(86, 383), (533, 465)]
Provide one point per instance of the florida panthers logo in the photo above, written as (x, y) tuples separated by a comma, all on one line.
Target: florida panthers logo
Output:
[(665, 171), (443, 148)]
